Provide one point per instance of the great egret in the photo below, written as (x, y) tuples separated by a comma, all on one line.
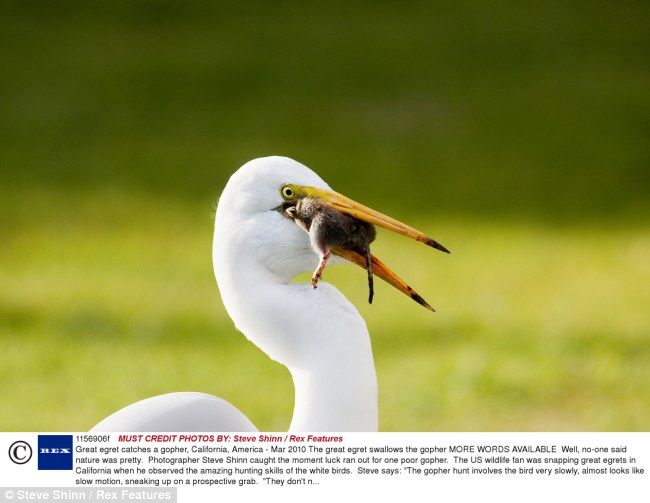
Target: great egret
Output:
[(316, 333)]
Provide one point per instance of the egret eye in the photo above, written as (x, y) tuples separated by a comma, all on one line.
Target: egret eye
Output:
[(288, 192)]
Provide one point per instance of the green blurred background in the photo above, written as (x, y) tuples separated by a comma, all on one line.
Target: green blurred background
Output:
[(516, 133)]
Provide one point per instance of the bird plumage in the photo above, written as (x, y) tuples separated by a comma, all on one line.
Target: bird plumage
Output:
[(317, 334)]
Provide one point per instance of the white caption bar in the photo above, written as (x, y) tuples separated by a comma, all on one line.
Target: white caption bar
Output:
[(286, 466)]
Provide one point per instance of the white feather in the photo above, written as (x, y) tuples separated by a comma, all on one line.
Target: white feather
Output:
[(316, 333)]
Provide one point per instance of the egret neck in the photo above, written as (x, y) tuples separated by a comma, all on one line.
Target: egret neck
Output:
[(316, 333)]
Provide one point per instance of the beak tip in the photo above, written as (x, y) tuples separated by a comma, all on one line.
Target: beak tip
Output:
[(434, 244), (418, 298)]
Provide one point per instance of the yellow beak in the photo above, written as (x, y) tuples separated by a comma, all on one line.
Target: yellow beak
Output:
[(359, 211)]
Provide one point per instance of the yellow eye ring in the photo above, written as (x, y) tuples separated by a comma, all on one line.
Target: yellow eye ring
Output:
[(288, 192)]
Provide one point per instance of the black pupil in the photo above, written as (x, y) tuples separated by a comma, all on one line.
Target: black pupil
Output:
[(288, 192)]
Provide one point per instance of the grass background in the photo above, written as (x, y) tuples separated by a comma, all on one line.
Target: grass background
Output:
[(516, 134)]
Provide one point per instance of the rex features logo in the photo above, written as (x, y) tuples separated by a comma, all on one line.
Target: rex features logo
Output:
[(55, 452), (20, 452)]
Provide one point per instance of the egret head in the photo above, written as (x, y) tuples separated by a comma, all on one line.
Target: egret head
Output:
[(250, 225), (256, 187)]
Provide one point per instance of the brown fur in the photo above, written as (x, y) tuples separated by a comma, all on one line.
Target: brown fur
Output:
[(329, 228)]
